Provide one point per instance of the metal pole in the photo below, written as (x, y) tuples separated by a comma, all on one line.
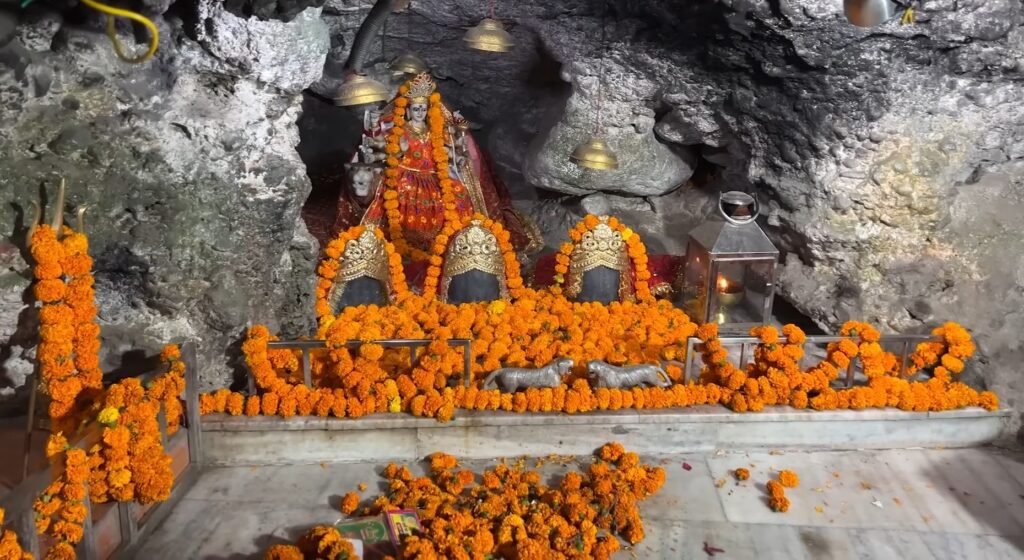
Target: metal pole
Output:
[(29, 427), (468, 362), (903, 359), (691, 344), (195, 447), (87, 545), (307, 370)]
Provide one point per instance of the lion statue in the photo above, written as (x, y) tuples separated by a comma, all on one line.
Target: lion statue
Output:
[(512, 379), (615, 377)]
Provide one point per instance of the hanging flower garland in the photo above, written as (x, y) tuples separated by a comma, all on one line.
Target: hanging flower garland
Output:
[(168, 387), (56, 327), (77, 266), (635, 248), (513, 278), (436, 126), (328, 271), (60, 510), (955, 347)]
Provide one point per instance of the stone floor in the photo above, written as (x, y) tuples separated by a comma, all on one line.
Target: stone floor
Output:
[(901, 504)]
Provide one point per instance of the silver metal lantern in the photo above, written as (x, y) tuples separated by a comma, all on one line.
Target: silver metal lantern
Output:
[(728, 276)]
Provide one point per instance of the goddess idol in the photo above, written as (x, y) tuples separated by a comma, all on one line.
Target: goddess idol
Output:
[(433, 172)]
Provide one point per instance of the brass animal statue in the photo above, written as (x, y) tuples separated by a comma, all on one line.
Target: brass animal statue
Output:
[(623, 377), (512, 379)]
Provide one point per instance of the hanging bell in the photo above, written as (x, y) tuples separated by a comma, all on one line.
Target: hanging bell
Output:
[(869, 13), (594, 154), (489, 36), (358, 89), (408, 63)]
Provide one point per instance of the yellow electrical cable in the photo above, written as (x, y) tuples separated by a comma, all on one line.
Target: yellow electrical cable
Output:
[(908, 16), (112, 12)]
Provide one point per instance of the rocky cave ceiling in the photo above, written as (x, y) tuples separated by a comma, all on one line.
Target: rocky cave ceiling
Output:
[(888, 160)]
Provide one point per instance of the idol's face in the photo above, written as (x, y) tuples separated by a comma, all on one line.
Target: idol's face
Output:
[(418, 111)]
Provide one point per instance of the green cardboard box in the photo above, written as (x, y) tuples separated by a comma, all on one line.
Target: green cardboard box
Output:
[(373, 531)]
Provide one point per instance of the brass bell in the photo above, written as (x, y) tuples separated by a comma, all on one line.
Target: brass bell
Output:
[(358, 89), (489, 36), (594, 154), (408, 63), (869, 13)]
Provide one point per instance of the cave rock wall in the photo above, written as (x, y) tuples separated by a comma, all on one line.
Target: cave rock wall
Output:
[(188, 165)]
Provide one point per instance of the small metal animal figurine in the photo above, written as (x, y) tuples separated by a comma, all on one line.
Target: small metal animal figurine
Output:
[(513, 379), (615, 377)]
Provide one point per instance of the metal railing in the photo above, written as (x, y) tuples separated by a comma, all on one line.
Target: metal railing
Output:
[(745, 342), (132, 525), (413, 344)]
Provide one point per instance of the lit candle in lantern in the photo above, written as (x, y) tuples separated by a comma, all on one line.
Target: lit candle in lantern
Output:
[(729, 293)]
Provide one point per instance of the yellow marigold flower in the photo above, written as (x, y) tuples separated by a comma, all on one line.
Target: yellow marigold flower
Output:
[(109, 416), (120, 477)]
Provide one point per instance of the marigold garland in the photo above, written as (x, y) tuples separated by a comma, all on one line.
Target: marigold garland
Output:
[(535, 330), (328, 270), (77, 266), (129, 462), (513, 278), (436, 125), (774, 378), (635, 248)]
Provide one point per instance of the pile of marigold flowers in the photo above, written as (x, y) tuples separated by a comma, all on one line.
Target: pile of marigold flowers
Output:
[(508, 511), (319, 543)]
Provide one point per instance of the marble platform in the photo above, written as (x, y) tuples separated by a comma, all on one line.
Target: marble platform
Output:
[(948, 504), (241, 440)]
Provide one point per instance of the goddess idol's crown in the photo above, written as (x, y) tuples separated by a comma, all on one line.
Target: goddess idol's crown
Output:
[(421, 86)]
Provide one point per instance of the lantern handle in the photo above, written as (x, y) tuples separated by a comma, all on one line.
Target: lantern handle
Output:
[(746, 219)]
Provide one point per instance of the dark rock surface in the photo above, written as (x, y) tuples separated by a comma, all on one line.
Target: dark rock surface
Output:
[(188, 165)]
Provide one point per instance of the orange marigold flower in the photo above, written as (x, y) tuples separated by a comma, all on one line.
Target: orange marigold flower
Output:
[(741, 474), (789, 479), (779, 504), (349, 503)]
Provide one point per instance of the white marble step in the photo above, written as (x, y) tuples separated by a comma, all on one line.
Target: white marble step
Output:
[(241, 440)]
